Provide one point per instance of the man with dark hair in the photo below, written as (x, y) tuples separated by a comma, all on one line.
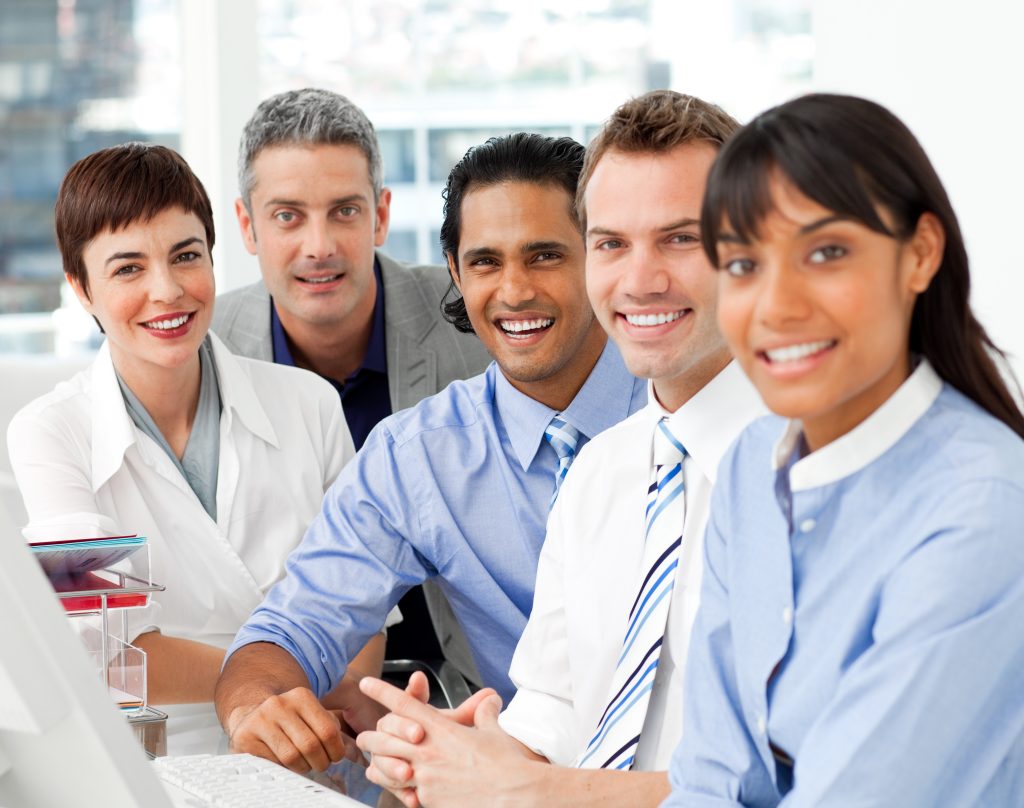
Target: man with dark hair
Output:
[(313, 209), (600, 663), (458, 488)]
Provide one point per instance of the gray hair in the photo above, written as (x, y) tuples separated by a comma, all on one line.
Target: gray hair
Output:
[(308, 117)]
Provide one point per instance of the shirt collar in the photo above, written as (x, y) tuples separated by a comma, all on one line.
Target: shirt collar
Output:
[(601, 402), (238, 395), (713, 418), (866, 442), (376, 350), (112, 428)]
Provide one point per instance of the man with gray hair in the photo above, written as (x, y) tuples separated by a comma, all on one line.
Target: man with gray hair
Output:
[(314, 209)]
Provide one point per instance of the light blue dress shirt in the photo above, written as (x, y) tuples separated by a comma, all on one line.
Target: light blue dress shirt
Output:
[(457, 488), (863, 613)]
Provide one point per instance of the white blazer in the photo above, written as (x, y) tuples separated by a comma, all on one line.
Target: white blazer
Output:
[(84, 469)]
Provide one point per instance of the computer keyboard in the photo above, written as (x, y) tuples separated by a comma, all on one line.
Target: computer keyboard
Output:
[(241, 781)]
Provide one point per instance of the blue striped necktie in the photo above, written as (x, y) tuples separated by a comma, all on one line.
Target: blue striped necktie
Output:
[(614, 741), (564, 438)]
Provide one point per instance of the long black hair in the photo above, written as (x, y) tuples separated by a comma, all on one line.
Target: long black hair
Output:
[(851, 156)]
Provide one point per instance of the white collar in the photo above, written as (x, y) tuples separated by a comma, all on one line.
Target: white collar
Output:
[(712, 419), (867, 441), (112, 428)]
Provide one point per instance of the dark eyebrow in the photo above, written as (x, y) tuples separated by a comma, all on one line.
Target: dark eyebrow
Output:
[(732, 238), (541, 246), (295, 203), (134, 256), (479, 252)]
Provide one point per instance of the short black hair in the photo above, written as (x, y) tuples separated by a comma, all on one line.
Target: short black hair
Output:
[(519, 157)]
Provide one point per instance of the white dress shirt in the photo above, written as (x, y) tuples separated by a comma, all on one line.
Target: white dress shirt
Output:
[(590, 569), (84, 469)]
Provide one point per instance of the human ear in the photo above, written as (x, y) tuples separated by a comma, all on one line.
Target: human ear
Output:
[(80, 293), (453, 271), (245, 226), (926, 247), (383, 217)]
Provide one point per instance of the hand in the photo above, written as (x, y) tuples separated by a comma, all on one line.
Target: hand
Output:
[(395, 774), (292, 729), (356, 711), (450, 763)]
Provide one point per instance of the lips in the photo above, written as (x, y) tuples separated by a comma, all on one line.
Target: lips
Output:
[(168, 322), (314, 280), (523, 329)]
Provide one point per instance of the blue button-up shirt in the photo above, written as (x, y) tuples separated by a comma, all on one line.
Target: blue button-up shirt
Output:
[(862, 613), (364, 394), (457, 487)]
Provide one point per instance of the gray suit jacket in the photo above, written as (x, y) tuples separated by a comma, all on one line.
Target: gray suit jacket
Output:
[(424, 354)]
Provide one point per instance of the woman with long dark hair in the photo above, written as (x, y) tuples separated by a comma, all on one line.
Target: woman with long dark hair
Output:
[(859, 640)]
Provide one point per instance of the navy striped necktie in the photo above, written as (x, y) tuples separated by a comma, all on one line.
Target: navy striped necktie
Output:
[(614, 741), (564, 438)]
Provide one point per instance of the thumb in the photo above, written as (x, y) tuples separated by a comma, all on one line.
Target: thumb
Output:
[(487, 712)]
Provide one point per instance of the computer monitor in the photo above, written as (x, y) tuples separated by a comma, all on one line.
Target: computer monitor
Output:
[(62, 739)]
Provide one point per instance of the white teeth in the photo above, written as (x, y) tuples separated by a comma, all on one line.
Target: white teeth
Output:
[(793, 352), (517, 326), (166, 325), (321, 280), (646, 320)]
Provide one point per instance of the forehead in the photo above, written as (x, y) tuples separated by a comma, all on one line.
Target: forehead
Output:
[(507, 215), (644, 190), (295, 170), (152, 236)]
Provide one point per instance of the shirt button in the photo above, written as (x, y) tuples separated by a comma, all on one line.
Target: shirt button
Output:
[(787, 615), (762, 725), (807, 525)]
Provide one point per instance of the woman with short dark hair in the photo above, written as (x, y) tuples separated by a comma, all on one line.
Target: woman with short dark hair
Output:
[(220, 461)]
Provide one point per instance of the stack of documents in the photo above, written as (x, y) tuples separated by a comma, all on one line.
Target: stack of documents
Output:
[(78, 566)]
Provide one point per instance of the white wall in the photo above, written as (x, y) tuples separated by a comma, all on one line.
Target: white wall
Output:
[(954, 72)]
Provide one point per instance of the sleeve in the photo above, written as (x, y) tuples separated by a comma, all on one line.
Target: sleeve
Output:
[(52, 466), (540, 715), (52, 469), (933, 708), (716, 764), (358, 557)]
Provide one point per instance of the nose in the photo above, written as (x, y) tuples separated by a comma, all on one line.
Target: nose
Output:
[(164, 286), (645, 273), (516, 285), (781, 296), (317, 242)]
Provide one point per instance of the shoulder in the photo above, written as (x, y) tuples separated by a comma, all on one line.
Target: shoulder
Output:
[(749, 457), (966, 444), (229, 302), (609, 444), (281, 382), (464, 405), (430, 279), (240, 308), (64, 411)]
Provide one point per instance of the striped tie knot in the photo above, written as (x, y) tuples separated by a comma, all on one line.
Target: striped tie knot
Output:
[(668, 449), (564, 438)]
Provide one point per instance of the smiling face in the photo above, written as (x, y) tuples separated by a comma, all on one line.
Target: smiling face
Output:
[(649, 281), (314, 225), (817, 309), (151, 288), (520, 272)]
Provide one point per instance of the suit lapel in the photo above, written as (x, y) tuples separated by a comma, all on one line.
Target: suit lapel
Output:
[(412, 367)]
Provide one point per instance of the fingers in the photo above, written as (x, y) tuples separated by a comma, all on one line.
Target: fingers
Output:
[(419, 687), (391, 773), (291, 729), (487, 712), (382, 743), (402, 727), (463, 714), (398, 701)]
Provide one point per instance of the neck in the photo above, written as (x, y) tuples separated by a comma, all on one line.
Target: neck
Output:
[(558, 391), (334, 351), (170, 396), (674, 392)]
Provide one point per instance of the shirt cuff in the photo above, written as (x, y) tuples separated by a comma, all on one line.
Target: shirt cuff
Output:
[(544, 724)]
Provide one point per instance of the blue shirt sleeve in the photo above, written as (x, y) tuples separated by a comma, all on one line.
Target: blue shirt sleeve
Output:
[(717, 764), (932, 713), (358, 557)]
